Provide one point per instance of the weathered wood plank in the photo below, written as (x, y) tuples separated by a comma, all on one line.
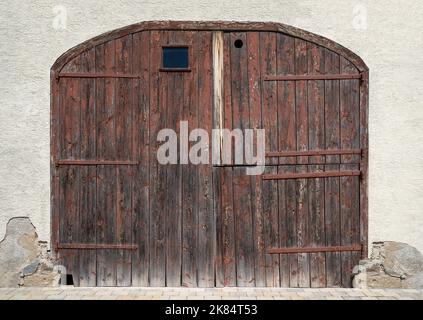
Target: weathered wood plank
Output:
[(158, 204), (286, 141), (124, 151), (316, 141), (141, 150), (70, 110), (87, 203), (206, 221), (364, 164), (106, 175), (254, 92), (243, 228), (226, 263), (268, 65), (332, 185), (228, 229), (349, 193), (302, 144), (190, 178), (175, 96)]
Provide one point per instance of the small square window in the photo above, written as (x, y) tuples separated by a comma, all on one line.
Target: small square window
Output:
[(175, 58)]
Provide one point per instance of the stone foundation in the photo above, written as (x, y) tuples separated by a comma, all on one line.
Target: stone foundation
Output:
[(391, 265), (24, 261)]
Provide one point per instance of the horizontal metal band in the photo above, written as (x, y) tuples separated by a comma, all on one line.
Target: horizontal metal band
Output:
[(312, 153), (312, 77), (307, 175), (314, 249), (93, 246), (96, 75), (95, 162)]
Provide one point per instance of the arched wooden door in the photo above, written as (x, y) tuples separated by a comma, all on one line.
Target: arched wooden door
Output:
[(119, 218)]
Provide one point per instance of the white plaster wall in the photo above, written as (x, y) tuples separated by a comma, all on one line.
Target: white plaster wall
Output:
[(391, 45)]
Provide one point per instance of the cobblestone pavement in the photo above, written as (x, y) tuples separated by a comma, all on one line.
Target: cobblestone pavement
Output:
[(72, 293)]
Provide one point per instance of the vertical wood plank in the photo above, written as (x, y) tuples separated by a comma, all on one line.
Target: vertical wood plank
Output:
[(87, 204), (268, 65), (206, 221), (243, 228), (271, 226), (106, 175), (123, 127), (316, 137), (254, 93), (302, 144), (242, 182), (226, 264), (175, 96), (70, 110), (158, 82), (349, 193), (332, 185), (364, 145), (218, 83), (141, 187), (286, 141), (190, 178)]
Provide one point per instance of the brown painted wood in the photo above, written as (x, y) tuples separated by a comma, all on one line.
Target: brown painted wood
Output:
[(302, 186), (332, 185), (88, 182), (141, 138), (364, 164), (174, 89), (225, 228), (189, 225), (268, 61), (241, 187), (124, 149), (190, 179), (316, 132), (106, 175), (349, 187), (70, 147), (206, 219), (286, 141), (254, 101), (158, 205)]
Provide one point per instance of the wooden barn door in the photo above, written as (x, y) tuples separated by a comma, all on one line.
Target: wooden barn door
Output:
[(120, 218), (298, 225)]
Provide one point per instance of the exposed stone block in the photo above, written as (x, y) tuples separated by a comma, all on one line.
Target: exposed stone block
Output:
[(392, 265)]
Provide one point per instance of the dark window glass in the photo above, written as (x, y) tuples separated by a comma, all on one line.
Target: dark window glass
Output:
[(175, 57)]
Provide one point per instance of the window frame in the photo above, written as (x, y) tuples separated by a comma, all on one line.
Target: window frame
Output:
[(188, 69)]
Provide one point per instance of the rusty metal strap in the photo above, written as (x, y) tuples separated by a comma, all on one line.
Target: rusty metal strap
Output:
[(97, 75), (313, 153), (93, 246), (313, 77), (307, 175), (95, 162), (314, 249)]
